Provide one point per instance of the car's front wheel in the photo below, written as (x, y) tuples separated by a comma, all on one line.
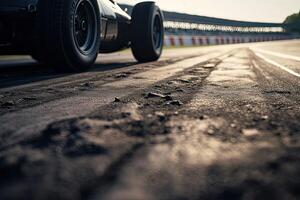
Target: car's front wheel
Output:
[(69, 32), (147, 32)]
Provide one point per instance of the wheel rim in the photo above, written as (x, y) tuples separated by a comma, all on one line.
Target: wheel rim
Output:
[(157, 33), (84, 26)]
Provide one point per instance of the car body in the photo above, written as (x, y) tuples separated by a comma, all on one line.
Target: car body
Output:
[(70, 33), (19, 33)]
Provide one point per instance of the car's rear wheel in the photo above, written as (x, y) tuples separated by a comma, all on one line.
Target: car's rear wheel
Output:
[(69, 33), (147, 32)]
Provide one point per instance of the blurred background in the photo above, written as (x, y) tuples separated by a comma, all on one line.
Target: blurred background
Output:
[(205, 22)]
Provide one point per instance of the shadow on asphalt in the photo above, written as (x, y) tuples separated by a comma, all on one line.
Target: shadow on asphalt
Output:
[(15, 73)]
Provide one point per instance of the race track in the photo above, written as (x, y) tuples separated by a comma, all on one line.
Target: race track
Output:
[(218, 122)]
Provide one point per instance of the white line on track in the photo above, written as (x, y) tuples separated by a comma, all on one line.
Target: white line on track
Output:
[(281, 55), (278, 65)]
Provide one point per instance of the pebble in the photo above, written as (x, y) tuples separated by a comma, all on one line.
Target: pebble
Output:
[(180, 90), (248, 106), (88, 84), (176, 103), (125, 114), (121, 75), (233, 125), (117, 100), (203, 117), (149, 115), (250, 132), (168, 98), (160, 115), (154, 95), (157, 113), (265, 117), (184, 81), (210, 131), (209, 65)]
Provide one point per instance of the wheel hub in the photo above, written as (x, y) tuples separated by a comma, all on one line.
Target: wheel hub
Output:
[(157, 32), (84, 26)]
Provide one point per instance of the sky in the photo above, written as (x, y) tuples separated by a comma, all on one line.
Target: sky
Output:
[(245, 10)]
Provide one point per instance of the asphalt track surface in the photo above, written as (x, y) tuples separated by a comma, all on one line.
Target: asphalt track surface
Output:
[(219, 122)]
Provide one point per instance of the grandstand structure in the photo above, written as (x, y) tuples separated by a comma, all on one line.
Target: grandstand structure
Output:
[(185, 29), (179, 21)]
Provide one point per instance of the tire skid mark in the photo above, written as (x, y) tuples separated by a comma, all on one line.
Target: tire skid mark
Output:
[(104, 184), (150, 128), (47, 92), (107, 95), (228, 144), (65, 79), (35, 118)]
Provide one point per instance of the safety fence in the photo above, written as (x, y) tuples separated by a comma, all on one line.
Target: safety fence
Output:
[(188, 40)]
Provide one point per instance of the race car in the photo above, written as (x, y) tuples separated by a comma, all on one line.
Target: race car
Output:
[(69, 34)]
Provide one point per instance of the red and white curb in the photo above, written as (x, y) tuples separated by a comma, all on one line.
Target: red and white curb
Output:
[(186, 40)]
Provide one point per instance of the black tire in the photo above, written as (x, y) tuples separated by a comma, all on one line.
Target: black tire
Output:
[(147, 32), (69, 34)]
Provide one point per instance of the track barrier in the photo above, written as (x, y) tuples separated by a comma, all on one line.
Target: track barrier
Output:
[(189, 40)]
